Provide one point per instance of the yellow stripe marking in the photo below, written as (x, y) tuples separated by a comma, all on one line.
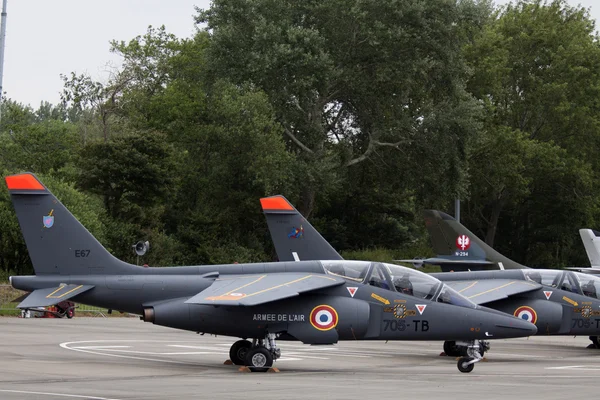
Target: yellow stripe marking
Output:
[(278, 286), (50, 296), (227, 296), (468, 287), (243, 286), (491, 290), (57, 290)]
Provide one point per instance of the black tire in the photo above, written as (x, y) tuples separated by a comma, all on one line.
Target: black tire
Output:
[(70, 313), (595, 341), (259, 359), (451, 349), (238, 351), (463, 367)]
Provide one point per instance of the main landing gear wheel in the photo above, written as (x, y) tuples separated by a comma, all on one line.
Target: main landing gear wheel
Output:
[(238, 352), (595, 341), (259, 359), (451, 349), (465, 365)]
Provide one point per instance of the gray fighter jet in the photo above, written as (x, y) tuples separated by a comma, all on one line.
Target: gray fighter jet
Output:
[(558, 302), (315, 302), (576, 292), (591, 242)]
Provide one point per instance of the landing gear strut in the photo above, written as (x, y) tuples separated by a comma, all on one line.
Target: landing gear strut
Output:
[(460, 349), (257, 355), (475, 351)]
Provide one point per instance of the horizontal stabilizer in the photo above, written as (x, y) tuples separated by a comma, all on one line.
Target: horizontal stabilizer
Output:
[(441, 261), (51, 296), (251, 290), (488, 290)]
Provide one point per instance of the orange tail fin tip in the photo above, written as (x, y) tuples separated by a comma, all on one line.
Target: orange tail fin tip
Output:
[(23, 182), (275, 203)]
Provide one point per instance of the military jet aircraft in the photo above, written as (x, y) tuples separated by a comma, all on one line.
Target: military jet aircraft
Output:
[(580, 291), (558, 302), (315, 302), (591, 242)]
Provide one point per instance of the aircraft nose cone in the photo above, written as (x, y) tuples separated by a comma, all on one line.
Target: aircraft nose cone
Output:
[(516, 327)]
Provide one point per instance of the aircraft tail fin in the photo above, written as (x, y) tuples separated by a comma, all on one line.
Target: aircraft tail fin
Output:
[(453, 241), (57, 242), (294, 237), (591, 242)]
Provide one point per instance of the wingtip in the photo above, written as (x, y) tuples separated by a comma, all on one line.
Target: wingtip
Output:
[(24, 181), (275, 203)]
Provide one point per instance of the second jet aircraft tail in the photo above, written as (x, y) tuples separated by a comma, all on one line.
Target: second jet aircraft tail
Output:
[(294, 237), (591, 242), (459, 248), (57, 242)]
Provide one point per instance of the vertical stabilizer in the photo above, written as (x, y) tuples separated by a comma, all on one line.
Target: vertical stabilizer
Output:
[(57, 242), (591, 242), (294, 237), (451, 239)]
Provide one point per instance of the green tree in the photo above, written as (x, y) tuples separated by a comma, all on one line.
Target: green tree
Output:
[(347, 79), (536, 70)]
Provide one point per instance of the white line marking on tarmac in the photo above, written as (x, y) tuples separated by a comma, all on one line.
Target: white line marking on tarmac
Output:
[(57, 394), (65, 345), (198, 347), (577, 367), (90, 350), (518, 355), (156, 353), (101, 347)]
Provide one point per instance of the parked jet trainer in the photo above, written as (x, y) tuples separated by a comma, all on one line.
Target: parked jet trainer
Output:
[(557, 302), (564, 303), (315, 302)]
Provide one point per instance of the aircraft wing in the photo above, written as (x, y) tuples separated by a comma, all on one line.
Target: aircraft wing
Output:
[(251, 290), (586, 270), (51, 296), (488, 290)]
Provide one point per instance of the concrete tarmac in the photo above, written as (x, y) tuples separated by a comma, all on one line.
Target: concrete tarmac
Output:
[(124, 358)]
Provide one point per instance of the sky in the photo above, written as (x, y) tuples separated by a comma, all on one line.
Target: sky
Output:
[(45, 38)]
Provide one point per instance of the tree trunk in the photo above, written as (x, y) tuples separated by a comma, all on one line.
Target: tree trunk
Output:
[(307, 201), (493, 221)]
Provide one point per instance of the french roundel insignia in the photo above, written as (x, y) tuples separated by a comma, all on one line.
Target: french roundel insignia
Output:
[(526, 313), (323, 317)]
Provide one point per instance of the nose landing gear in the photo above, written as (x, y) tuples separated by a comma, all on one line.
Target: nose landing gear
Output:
[(475, 351)]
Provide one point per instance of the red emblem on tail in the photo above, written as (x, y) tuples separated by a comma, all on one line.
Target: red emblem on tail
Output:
[(463, 242)]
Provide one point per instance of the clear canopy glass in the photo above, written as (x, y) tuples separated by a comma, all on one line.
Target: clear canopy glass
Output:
[(589, 284), (575, 282), (397, 278)]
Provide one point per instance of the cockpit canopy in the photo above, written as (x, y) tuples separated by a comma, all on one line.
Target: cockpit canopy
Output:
[(398, 279), (570, 281)]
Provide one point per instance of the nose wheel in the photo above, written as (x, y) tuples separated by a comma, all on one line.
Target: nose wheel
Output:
[(475, 351)]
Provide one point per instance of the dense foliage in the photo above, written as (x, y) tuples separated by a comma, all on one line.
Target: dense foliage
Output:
[(361, 112)]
